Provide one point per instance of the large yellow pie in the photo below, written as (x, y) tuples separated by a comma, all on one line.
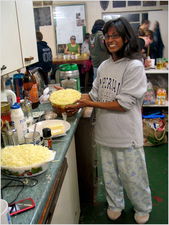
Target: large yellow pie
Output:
[(64, 97)]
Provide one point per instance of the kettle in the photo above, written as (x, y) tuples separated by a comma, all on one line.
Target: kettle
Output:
[(8, 96)]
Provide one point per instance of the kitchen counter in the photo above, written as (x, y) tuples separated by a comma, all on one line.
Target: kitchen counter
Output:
[(40, 193)]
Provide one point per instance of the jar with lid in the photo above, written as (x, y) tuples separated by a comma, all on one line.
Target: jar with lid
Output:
[(47, 137), (9, 135), (5, 112), (26, 106), (17, 117)]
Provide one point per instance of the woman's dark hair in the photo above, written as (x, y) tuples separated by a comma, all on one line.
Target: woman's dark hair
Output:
[(98, 25), (141, 43), (130, 48)]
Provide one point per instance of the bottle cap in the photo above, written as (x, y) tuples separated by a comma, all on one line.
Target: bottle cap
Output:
[(18, 99), (46, 132), (15, 106), (8, 82)]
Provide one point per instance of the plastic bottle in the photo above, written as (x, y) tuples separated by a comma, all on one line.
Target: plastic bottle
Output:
[(18, 84), (8, 84), (158, 96), (31, 89), (27, 82), (17, 116), (47, 138), (34, 95), (163, 96)]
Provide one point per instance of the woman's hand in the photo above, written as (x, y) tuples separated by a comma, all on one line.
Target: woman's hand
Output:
[(58, 88), (79, 104), (72, 108), (147, 62), (84, 102)]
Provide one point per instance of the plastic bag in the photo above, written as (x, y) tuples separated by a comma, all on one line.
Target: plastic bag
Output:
[(149, 97), (154, 129)]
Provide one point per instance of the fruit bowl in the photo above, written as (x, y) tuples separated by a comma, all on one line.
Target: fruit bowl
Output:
[(34, 169)]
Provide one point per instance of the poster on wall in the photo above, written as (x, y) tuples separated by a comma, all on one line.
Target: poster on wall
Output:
[(69, 21)]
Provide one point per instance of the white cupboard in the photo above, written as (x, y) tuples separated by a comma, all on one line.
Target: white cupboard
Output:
[(11, 58), (67, 210), (18, 38)]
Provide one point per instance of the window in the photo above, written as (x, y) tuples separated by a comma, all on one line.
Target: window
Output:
[(124, 4), (119, 4), (134, 19), (42, 17), (149, 3), (134, 3), (163, 2)]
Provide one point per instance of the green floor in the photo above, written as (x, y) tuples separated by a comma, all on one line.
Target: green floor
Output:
[(157, 165)]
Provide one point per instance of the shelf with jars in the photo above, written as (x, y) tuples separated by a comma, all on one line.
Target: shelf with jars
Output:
[(157, 94)]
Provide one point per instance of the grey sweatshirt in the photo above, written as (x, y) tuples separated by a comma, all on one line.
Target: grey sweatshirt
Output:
[(125, 81)]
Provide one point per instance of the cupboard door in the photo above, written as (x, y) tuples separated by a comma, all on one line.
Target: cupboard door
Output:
[(27, 31), (67, 210), (11, 49)]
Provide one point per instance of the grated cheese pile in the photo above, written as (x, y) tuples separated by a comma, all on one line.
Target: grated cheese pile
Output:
[(65, 97), (24, 155)]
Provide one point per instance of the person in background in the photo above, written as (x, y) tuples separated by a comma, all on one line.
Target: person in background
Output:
[(45, 57), (97, 47), (157, 46), (86, 68), (145, 25), (85, 45), (72, 48), (147, 36), (147, 39), (117, 94)]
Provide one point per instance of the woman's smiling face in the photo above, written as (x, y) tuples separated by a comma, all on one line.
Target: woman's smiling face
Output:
[(113, 40)]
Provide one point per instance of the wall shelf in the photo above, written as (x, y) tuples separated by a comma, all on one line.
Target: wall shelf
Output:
[(154, 105), (155, 71)]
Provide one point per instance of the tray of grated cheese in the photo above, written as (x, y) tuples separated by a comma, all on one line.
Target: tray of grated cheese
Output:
[(25, 160), (61, 98)]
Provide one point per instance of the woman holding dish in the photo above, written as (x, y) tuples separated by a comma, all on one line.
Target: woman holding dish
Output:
[(117, 94)]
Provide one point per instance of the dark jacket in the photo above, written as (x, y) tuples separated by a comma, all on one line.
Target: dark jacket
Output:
[(157, 47), (98, 50), (45, 56)]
